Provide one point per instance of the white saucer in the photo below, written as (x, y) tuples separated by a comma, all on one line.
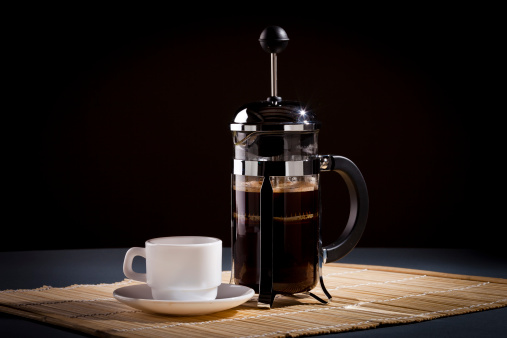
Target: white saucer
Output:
[(139, 297)]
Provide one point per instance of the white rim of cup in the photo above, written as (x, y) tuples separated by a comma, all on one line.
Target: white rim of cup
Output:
[(208, 240)]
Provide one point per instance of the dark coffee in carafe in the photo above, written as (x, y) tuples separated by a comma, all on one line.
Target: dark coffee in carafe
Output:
[(295, 232)]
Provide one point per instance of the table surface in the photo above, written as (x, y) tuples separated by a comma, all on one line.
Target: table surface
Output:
[(59, 268)]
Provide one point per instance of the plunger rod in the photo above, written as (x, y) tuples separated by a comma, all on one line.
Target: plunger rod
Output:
[(274, 89)]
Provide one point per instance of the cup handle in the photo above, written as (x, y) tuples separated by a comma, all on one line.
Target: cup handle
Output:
[(127, 264), (359, 205)]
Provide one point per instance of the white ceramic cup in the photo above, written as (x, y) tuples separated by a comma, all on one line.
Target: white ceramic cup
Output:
[(179, 267)]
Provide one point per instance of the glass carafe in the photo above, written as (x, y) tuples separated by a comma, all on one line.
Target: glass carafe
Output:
[(275, 196)]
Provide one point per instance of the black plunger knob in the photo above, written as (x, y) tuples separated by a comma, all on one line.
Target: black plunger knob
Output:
[(274, 39)]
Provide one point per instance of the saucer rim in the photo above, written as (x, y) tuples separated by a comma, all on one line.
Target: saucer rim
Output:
[(249, 292)]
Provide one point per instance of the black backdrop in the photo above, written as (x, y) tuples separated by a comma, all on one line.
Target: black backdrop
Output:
[(118, 127)]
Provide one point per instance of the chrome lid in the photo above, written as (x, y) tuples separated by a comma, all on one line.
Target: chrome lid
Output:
[(274, 116)]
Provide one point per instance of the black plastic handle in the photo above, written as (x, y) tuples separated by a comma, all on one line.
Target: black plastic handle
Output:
[(359, 205)]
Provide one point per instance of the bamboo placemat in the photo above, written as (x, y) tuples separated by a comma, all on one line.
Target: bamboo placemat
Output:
[(364, 297)]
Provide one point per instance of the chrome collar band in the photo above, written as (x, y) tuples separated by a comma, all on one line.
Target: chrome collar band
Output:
[(281, 168)]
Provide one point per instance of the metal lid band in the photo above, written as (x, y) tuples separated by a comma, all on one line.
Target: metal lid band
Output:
[(272, 127)]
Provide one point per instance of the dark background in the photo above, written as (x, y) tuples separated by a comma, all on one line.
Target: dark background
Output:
[(117, 129)]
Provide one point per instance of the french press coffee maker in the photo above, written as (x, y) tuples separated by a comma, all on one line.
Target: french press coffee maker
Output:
[(276, 195)]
